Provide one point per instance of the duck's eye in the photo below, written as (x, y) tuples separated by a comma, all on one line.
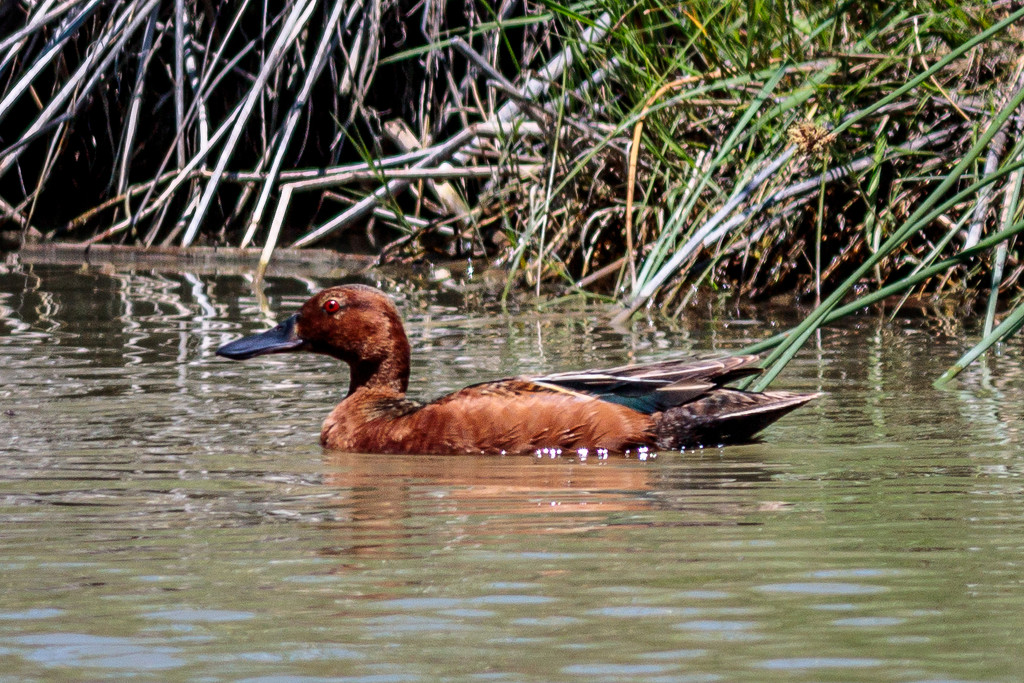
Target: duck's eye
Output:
[(332, 306)]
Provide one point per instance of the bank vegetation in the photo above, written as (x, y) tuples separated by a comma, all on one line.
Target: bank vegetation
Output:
[(842, 153)]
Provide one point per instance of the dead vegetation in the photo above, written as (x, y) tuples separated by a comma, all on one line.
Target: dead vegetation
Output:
[(635, 150)]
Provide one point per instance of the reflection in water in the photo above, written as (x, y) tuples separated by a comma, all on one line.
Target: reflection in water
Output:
[(167, 514), (509, 488), (526, 495)]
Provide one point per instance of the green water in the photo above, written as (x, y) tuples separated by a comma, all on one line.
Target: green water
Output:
[(167, 515)]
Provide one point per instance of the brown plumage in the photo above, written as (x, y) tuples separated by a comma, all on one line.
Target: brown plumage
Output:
[(668, 405)]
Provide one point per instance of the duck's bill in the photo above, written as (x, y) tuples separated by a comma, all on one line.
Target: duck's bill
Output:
[(280, 339)]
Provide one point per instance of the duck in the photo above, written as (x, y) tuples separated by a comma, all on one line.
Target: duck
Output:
[(664, 405)]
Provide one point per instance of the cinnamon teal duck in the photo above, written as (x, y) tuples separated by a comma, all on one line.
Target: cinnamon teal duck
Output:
[(671, 404)]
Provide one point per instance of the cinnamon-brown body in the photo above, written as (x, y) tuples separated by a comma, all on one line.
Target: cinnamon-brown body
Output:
[(511, 416)]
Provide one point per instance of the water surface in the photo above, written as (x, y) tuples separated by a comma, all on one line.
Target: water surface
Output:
[(168, 515)]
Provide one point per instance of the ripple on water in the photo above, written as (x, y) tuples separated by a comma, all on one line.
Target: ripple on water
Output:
[(294, 652), (674, 654), (721, 630), (821, 588), (465, 613), (705, 595), (634, 611), (108, 652), (554, 621), (414, 604), (853, 572), (835, 607), (375, 678), (598, 669), (188, 615), (717, 625), (797, 663), (29, 614), (387, 626), (502, 599), (870, 622)]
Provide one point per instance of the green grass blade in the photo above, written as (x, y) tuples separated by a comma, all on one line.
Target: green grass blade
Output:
[(1006, 328), (782, 354)]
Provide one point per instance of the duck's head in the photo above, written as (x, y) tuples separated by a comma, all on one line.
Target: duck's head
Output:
[(354, 323)]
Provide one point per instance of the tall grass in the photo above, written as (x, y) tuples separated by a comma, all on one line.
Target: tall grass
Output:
[(635, 150)]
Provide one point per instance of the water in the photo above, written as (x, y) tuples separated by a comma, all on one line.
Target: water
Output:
[(167, 515)]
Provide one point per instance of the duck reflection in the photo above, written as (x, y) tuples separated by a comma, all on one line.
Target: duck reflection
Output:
[(389, 500)]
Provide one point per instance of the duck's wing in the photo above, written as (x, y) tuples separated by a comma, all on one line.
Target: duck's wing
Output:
[(653, 387), (513, 415)]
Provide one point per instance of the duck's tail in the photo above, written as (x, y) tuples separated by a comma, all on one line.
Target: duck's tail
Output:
[(724, 416)]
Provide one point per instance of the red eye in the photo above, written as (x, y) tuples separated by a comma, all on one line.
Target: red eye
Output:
[(332, 306)]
